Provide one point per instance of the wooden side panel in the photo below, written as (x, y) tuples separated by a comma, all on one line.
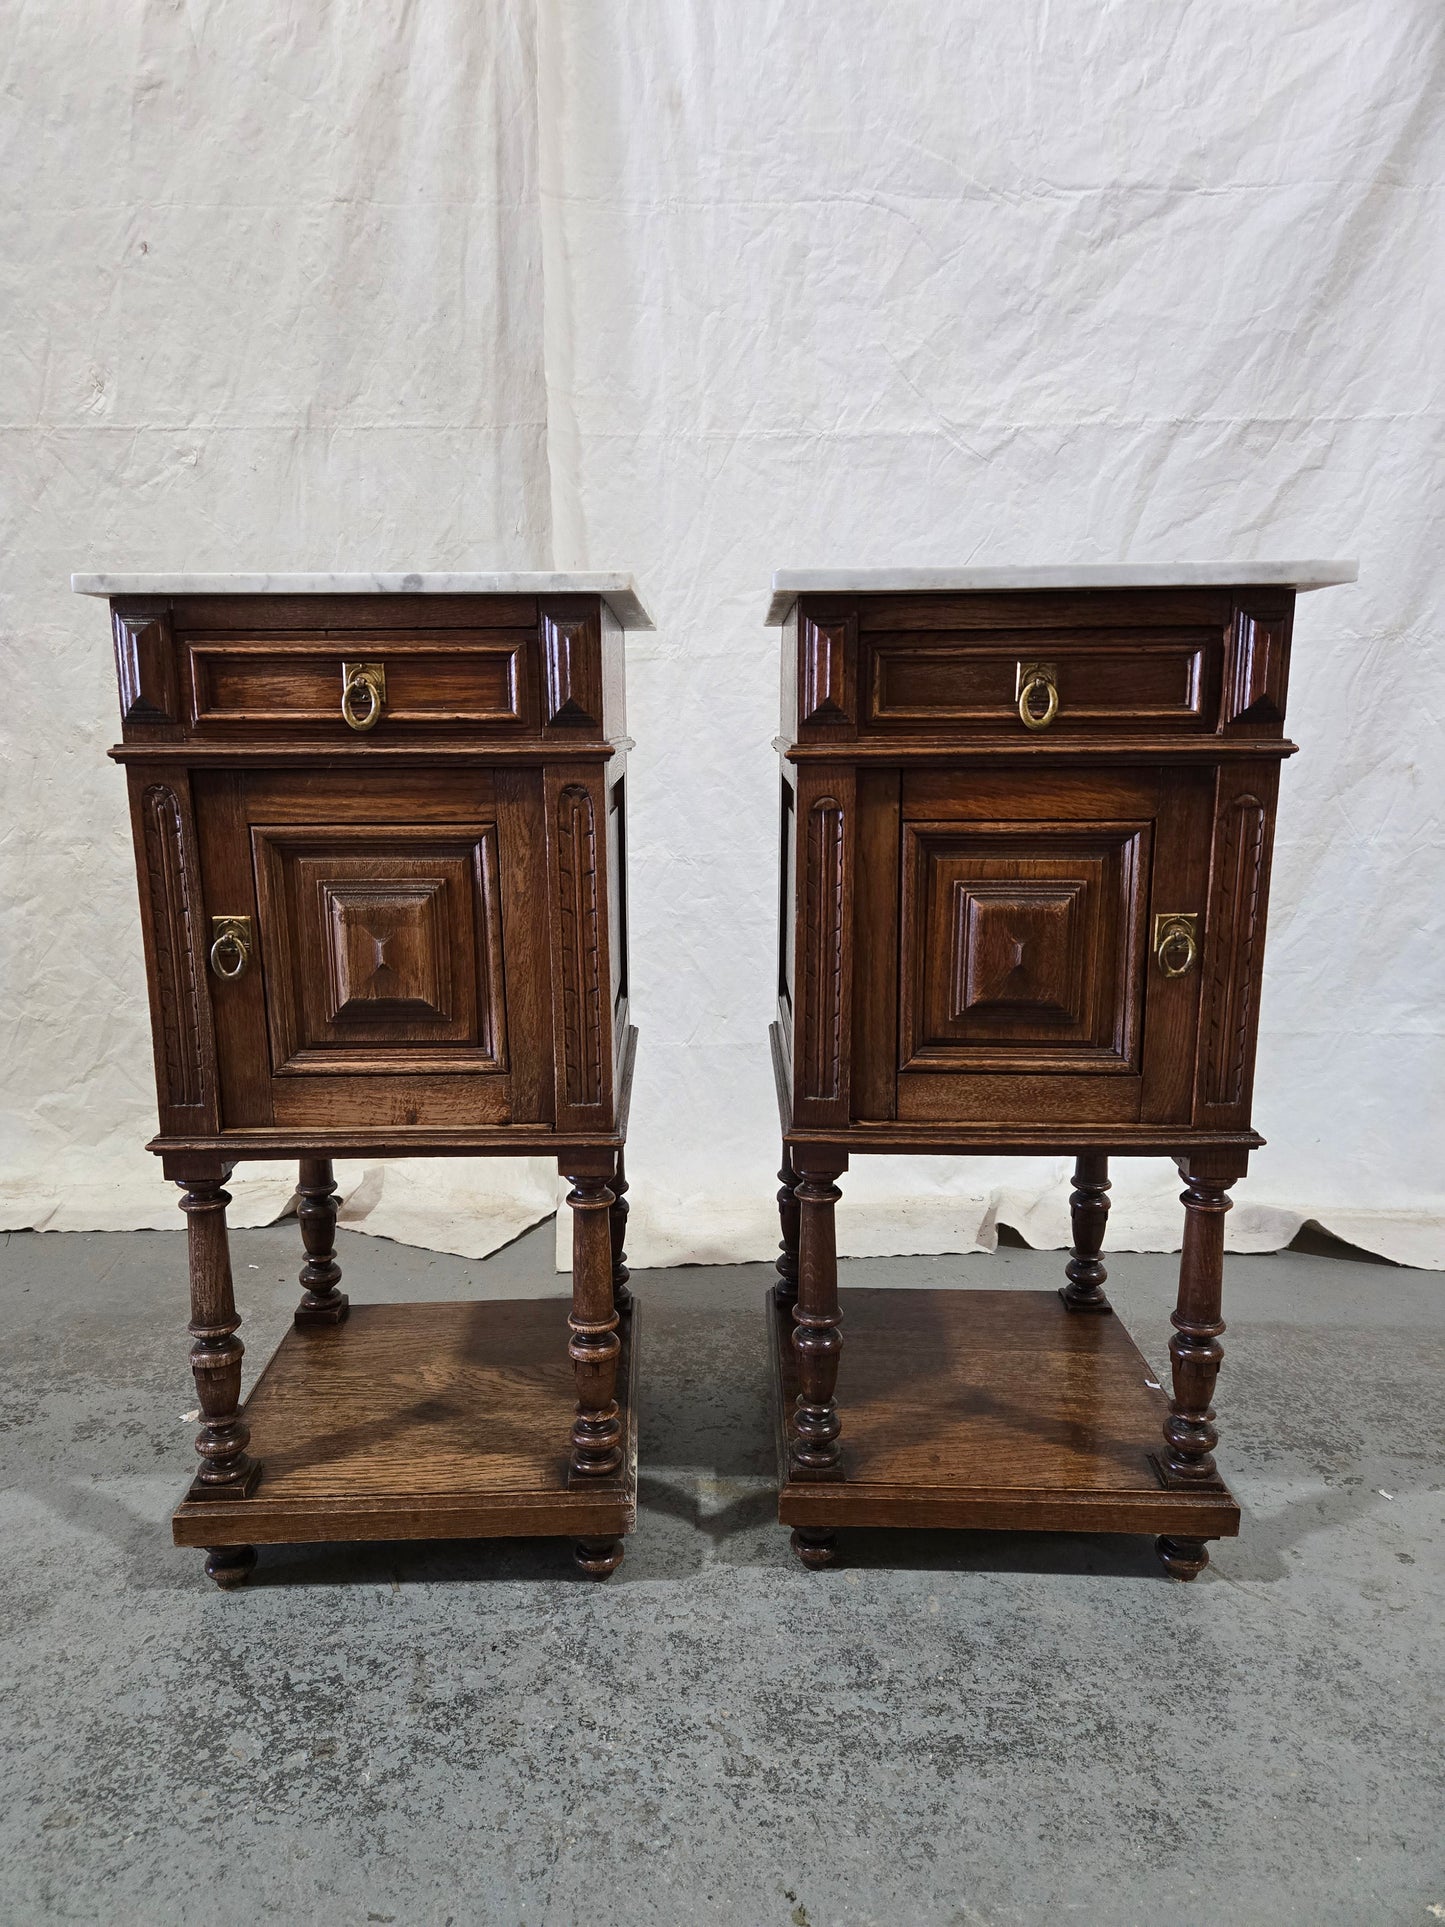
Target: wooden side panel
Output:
[(526, 942), (876, 925), (1233, 960), (617, 906), (788, 657), (176, 948), (787, 907), (614, 678), (577, 865), (823, 990)]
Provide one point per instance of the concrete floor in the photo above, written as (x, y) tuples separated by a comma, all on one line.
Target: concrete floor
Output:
[(952, 1729)]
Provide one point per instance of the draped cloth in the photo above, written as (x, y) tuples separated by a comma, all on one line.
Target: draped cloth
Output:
[(700, 291)]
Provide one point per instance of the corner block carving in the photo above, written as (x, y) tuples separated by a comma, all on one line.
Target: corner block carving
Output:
[(177, 988), (823, 1015), (825, 655), (1254, 685), (145, 665), (1239, 904), (580, 960), (571, 672)]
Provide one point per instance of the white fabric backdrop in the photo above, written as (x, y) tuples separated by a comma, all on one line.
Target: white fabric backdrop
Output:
[(700, 291)]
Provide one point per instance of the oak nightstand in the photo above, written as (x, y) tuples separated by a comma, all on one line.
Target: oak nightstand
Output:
[(1027, 818), (379, 828)]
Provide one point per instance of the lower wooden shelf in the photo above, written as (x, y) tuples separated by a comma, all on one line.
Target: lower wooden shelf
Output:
[(996, 1410), (447, 1421)]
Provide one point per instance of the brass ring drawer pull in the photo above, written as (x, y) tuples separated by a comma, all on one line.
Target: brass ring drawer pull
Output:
[(1176, 943), (363, 693), (1035, 680), (230, 945)]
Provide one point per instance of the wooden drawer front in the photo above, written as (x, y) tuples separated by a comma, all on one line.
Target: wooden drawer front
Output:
[(1153, 683), (1023, 946), (278, 682)]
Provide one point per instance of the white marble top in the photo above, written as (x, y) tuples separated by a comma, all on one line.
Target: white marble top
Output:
[(789, 584), (618, 591)]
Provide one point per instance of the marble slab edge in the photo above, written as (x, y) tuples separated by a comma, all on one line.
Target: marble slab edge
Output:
[(789, 584), (617, 590)]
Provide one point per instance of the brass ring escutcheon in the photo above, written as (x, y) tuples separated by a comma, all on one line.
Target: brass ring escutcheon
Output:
[(231, 951), (369, 682), (1177, 950), (1038, 719)]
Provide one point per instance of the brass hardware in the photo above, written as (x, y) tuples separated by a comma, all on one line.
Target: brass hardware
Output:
[(1176, 942), (1036, 678), (230, 945), (369, 679)]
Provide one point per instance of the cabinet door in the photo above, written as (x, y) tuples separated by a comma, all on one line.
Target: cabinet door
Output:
[(1026, 988), (389, 915)]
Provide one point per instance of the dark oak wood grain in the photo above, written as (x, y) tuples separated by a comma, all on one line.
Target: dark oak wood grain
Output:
[(417, 1421), (1089, 1212), (991, 1410), (322, 1300), (1025, 869), (379, 841), (817, 1337)]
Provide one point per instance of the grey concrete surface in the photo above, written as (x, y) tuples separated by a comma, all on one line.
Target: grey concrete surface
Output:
[(951, 1730)]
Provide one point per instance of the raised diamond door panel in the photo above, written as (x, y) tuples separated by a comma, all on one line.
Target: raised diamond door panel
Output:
[(1023, 946), (382, 947), (395, 918), (1021, 982)]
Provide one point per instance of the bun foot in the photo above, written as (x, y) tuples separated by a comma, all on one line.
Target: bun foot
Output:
[(598, 1558), (1182, 1558), (815, 1549), (230, 1566)]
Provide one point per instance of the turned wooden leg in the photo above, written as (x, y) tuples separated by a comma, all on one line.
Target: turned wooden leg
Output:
[(227, 1472), (598, 1558), (1182, 1558), (1089, 1210), (617, 1217), (1195, 1353), (785, 1291), (817, 1338), (595, 1346), (230, 1566), (321, 1303), (815, 1548)]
